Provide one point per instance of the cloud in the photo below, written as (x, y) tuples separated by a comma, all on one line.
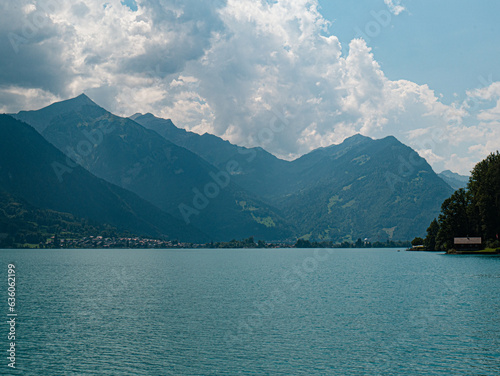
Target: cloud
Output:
[(66, 48), (395, 6), (19, 97), (277, 56), (31, 54), (258, 73), (489, 94)]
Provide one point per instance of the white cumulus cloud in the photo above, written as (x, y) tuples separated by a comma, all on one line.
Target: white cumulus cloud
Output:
[(258, 73), (395, 6)]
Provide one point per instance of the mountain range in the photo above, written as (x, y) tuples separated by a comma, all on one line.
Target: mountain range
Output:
[(174, 179), (370, 188), (144, 175), (36, 173)]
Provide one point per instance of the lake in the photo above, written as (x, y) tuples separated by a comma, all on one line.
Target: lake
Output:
[(253, 312)]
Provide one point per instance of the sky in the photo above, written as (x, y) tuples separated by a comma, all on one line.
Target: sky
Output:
[(287, 75)]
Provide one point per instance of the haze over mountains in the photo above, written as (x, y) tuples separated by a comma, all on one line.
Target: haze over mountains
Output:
[(146, 175), (30, 171), (456, 181), (380, 188), (137, 159)]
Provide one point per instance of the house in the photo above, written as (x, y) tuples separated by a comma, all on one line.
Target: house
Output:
[(468, 244)]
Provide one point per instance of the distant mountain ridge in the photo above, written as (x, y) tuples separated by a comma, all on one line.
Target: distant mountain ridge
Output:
[(456, 181), (255, 164), (174, 179), (312, 190), (379, 189), (29, 170), (41, 119)]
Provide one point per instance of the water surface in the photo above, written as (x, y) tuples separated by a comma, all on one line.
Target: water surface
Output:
[(254, 312)]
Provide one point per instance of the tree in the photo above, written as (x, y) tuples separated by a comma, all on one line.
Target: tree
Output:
[(359, 243), (484, 187), (302, 243), (430, 239), (454, 219), (471, 212), (57, 243), (417, 241)]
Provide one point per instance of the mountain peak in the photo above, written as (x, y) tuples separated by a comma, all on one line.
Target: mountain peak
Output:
[(356, 139), (391, 138), (135, 116), (147, 116), (351, 141), (40, 119), (455, 180), (83, 97), (159, 123), (357, 136), (80, 100), (454, 174)]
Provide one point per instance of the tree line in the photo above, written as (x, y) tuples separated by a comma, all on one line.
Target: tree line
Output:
[(470, 212)]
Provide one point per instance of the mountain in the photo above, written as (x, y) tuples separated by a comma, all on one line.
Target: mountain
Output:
[(378, 189), (174, 179), (35, 171), (22, 223), (41, 119), (456, 181), (255, 165), (360, 188)]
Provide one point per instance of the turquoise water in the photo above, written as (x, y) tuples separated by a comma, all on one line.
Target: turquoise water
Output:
[(253, 312)]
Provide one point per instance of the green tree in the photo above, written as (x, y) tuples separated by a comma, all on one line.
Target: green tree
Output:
[(57, 243), (454, 219), (359, 243), (432, 232), (417, 241), (301, 243), (484, 187)]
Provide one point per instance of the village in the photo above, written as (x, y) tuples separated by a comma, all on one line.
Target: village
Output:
[(115, 242)]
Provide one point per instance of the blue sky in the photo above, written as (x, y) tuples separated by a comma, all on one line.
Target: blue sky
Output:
[(447, 44), (426, 72)]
